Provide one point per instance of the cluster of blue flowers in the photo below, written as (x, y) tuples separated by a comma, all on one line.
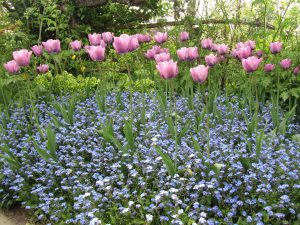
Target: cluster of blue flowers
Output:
[(92, 182)]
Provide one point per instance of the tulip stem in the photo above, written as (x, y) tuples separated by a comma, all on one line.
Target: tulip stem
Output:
[(130, 89), (277, 99), (175, 130)]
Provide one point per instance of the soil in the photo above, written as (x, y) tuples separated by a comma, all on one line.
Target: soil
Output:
[(13, 216)]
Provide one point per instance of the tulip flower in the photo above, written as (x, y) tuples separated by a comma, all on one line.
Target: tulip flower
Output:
[(107, 37), (275, 47), (12, 66), (52, 46), (244, 52), (269, 67), (206, 43), (43, 68), (211, 60), (234, 53), (75, 45), (251, 64), (22, 57), (250, 44), (161, 37), (199, 73), (296, 71), (187, 53), (182, 53), (240, 45), (96, 53), (125, 43), (150, 54), (259, 53), (133, 43), (94, 39), (168, 69), (285, 63), (142, 38), (37, 50), (184, 36), (222, 49), (214, 47), (221, 59), (162, 57)]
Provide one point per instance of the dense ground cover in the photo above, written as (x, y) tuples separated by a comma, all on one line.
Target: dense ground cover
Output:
[(226, 172)]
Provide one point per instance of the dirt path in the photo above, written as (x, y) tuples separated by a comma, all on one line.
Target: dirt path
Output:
[(14, 216)]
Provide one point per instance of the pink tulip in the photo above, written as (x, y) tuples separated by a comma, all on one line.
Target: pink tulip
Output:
[(269, 67), (244, 52), (184, 36), (206, 43), (143, 38), (161, 37), (107, 37), (259, 53), (182, 53), (96, 53), (133, 43), (221, 59), (125, 43), (75, 45), (52, 46), (214, 47), (234, 53), (285, 63), (43, 68), (211, 60), (251, 44), (240, 45), (94, 39), (150, 54), (12, 66), (37, 50), (251, 64), (275, 47), (189, 54), (222, 49), (199, 73), (193, 53), (162, 57), (167, 69), (296, 71), (22, 57)]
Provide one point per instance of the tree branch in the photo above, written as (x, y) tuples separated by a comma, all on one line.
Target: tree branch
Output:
[(90, 3)]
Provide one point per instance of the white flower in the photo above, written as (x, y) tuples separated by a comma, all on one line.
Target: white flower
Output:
[(202, 220), (87, 194), (125, 210), (203, 214), (130, 203), (180, 211), (149, 217)]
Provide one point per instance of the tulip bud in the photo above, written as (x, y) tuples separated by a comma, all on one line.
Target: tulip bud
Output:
[(269, 67), (275, 47), (75, 45), (43, 68)]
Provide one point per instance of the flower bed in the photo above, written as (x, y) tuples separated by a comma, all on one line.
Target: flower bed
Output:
[(228, 169)]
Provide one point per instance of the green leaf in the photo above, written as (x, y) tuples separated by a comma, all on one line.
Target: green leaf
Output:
[(56, 121), (42, 152), (259, 141), (112, 140), (51, 142), (129, 134), (167, 161), (245, 163), (171, 127), (183, 131)]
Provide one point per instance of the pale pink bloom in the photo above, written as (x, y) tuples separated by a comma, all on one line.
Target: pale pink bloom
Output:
[(43, 68), (96, 53), (206, 43), (275, 47), (162, 57), (240, 45), (211, 60), (222, 49), (37, 50), (182, 53), (22, 57), (199, 73), (75, 45), (52, 46), (269, 67), (259, 53), (244, 52), (94, 39), (107, 37), (184, 36), (251, 64), (161, 37), (150, 54), (251, 44), (285, 63), (167, 69), (296, 71), (125, 43), (12, 66)]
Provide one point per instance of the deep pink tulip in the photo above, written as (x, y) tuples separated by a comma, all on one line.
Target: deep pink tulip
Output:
[(222, 49), (75, 45), (43, 68), (161, 37), (107, 37), (22, 57), (244, 52), (296, 71), (269, 67), (199, 73), (52, 46), (251, 64), (37, 50), (206, 43), (167, 69), (94, 39), (162, 57), (259, 53), (96, 53), (184, 36), (12, 66), (275, 47), (211, 60), (251, 44), (285, 63)]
